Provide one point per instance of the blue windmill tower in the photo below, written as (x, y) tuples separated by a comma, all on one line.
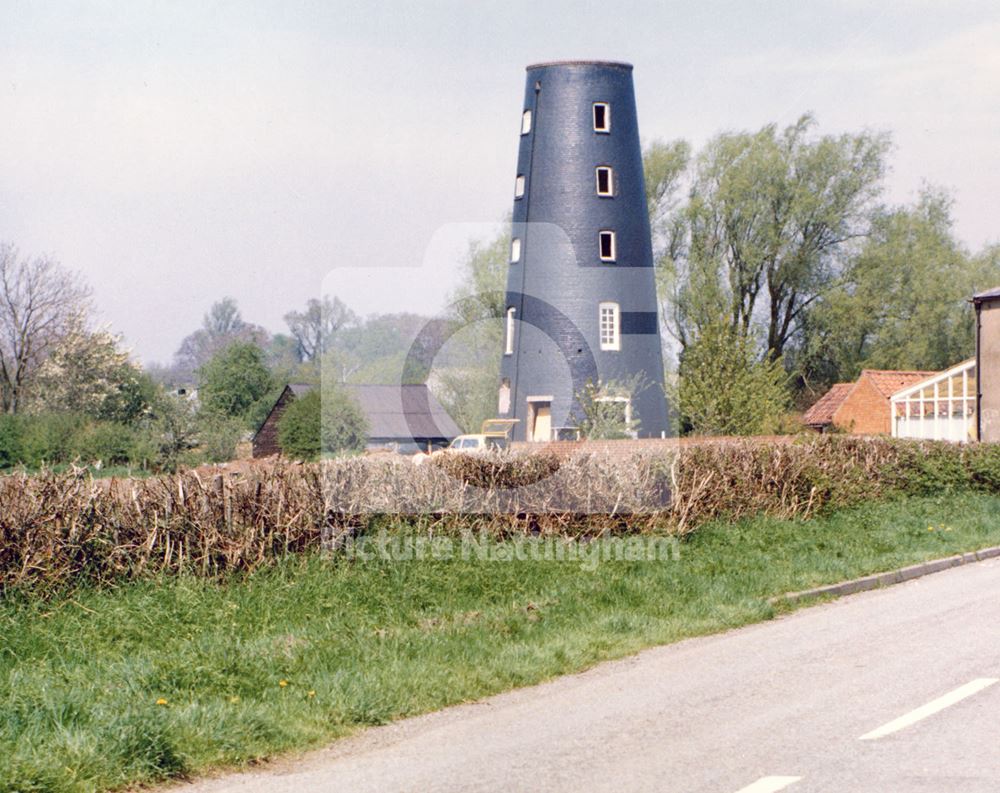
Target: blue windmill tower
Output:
[(581, 303)]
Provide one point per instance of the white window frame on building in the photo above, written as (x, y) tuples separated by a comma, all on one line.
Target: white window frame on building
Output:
[(612, 245), (519, 186), (605, 112), (609, 176), (609, 326), (526, 122), (515, 250), (509, 340), (632, 433), (940, 408)]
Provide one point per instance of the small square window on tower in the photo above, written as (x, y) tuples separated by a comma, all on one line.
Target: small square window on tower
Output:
[(605, 181), (526, 122), (606, 246), (515, 250), (609, 318), (602, 117), (519, 186)]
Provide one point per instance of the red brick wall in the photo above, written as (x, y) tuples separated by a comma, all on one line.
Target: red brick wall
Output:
[(865, 411)]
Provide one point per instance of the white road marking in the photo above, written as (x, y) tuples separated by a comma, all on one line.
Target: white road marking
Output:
[(769, 784), (930, 708)]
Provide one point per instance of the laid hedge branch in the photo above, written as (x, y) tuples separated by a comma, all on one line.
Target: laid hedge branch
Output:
[(59, 529)]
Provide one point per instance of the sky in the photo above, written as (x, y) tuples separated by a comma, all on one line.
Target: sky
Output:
[(175, 153)]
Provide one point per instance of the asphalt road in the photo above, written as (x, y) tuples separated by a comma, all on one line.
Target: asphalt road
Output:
[(891, 691)]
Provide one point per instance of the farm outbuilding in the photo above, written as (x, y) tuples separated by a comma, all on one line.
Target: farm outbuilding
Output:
[(403, 418), (863, 407)]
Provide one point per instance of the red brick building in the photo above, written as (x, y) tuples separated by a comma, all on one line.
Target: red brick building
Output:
[(862, 407)]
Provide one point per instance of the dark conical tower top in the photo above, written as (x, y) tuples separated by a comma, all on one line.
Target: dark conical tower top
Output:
[(581, 296)]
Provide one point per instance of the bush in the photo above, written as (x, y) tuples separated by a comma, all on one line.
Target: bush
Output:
[(49, 438), (107, 443), (218, 436), (299, 427), (326, 421), (11, 450)]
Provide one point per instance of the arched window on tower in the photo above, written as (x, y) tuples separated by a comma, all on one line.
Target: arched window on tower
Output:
[(526, 122), (515, 250), (519, 186)]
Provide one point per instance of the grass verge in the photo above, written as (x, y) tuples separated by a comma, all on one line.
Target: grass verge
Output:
[(106, 688)]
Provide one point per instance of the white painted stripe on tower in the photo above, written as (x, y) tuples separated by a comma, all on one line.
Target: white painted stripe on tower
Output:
[(936, 706), (769, 784)]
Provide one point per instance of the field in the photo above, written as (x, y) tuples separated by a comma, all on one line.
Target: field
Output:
[(164, 675)]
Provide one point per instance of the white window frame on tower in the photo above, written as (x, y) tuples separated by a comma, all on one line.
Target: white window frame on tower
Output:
[(609, 324), (515, 250), (607, 117), (600, 245), (526, 122), (607, 169), (509, 341), (519, 186)]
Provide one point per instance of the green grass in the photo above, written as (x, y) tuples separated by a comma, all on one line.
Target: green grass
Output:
[(361, 643)]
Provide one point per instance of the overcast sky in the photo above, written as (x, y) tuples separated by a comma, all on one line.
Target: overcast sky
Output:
[(175, 153)]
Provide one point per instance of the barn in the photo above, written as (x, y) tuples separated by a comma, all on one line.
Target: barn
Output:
[(863, 407), (403, 418)]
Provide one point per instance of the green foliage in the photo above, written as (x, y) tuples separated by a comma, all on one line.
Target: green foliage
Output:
[(299, 427), (343, 426), (323, 421), (725, 389), (217, 437), (11, 449), (467, 379), (81, 672), (604, 411), (234, 381), (906, 307)]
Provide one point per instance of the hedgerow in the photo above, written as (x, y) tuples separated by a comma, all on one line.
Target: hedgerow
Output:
[(69, 528)]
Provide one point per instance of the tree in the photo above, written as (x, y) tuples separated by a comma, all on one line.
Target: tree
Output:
[(314, 329), (904, 301), (469, 374), (234, 381), (724, 388), (770, 222), (323, 421), (221, 326), (89, 373), (40, 302)]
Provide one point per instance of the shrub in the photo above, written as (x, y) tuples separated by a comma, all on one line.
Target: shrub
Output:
[(326, 421), (299, 427), (11, 451), (104, 442)]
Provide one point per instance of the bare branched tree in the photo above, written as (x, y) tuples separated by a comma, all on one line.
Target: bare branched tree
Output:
[(315, 327), (40, 302)]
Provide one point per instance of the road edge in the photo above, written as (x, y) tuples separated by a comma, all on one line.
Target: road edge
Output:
[(877, 580)]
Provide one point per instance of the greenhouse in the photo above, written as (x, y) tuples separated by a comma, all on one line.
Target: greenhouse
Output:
[(942, 407)]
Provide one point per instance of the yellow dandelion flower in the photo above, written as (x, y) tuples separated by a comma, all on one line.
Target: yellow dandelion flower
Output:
[(312, 693), (161, 701), (234, 700), (283, 683)]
